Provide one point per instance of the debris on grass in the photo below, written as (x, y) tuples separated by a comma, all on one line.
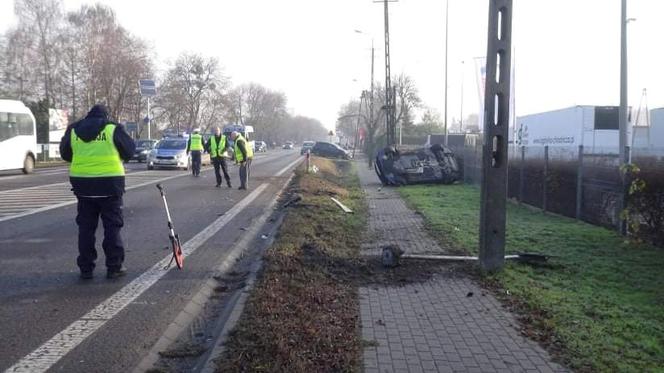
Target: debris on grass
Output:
[(372, 343), (184, 351), (341, 205), (296, 198)]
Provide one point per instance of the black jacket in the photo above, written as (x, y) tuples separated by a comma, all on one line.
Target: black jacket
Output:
[(87, 129)]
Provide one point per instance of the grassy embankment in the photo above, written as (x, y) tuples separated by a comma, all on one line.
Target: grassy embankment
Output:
[(599, 305)]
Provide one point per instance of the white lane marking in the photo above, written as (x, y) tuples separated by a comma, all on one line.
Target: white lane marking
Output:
[(66, 198), (62, 343), (31, 188), (70, 199), (11, 177), (283, 170), (47, 172)]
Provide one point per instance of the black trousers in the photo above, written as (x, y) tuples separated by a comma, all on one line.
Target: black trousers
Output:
[(195, 162), (89, 211), (220, 162)]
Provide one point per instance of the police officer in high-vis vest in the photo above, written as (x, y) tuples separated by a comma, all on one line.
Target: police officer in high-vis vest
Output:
[(96, 148), (243, 156), (195, 146), (217, 146)]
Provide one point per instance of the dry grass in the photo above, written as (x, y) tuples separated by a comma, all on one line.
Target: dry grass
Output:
[(303, 315)]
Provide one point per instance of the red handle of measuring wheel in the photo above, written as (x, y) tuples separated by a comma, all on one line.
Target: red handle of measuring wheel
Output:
[(177, 253)]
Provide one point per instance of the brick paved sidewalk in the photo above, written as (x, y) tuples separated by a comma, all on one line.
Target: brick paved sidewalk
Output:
[(433, 326)]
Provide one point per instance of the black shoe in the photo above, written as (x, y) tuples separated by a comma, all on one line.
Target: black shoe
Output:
[(229, 184), (86, 275), (218, 186), (242, 188), (116, 274)]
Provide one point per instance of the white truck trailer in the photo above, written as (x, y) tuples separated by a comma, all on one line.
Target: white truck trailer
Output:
[(651, 137), (594, 127)]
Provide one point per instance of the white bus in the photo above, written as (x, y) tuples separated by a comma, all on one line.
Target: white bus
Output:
[(18, 137)]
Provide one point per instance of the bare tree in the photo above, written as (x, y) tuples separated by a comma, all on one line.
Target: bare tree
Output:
[(103, 63), (257, 106), (42, 18), (407, 99), (20, 74), (192, 92)]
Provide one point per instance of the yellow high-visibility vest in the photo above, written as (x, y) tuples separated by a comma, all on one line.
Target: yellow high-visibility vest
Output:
[(247, 148), (196, 142), (217, 150), (96, 158)]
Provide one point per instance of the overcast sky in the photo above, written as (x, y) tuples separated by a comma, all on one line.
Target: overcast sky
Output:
[(567, 51)]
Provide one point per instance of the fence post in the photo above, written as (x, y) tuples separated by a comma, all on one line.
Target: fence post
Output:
[(307, 155), (623, 228), (522, 173), (546, 177), (579, 184)]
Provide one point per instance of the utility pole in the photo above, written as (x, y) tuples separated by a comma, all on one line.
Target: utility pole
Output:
[(461, 114), (389, 107), (622, 111), (622, 142), (149, 119), (357, 123), (496, 130), (447, 18), (371, 99)]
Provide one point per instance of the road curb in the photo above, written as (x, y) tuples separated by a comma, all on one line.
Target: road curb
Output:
[(238, 307), (196, 306)]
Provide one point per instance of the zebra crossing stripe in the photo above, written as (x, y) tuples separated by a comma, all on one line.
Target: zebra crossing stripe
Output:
[(48, 194)]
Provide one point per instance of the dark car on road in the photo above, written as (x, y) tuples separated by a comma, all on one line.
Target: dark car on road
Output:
[(260, 146), (143, 148), (306, 146), (329, 150)]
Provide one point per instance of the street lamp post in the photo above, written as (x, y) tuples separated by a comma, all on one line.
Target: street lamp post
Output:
[(447, 18), (461, 113), (371, 92)]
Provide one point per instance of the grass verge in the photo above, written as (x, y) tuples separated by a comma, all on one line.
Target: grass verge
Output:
[(600, 304), (303, 314)]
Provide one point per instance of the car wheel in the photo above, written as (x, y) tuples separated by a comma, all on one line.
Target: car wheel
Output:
[(150, 168), (28, 164)]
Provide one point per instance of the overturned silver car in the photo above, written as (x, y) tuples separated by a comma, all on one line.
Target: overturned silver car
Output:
[(432, 164)]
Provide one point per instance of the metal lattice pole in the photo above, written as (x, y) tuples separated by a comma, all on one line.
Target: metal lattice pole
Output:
[(496, 123)]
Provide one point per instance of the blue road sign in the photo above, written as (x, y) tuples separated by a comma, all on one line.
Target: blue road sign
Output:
[(147, 87)]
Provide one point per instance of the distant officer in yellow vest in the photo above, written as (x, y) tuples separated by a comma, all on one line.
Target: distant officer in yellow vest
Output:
[(243, 156), (195, 146), (96, 148), (218, 147)]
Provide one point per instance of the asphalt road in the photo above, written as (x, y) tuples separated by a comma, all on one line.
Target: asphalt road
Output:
[(42, 295)]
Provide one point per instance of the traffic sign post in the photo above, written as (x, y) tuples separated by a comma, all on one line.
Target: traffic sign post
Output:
[(148, 89)]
